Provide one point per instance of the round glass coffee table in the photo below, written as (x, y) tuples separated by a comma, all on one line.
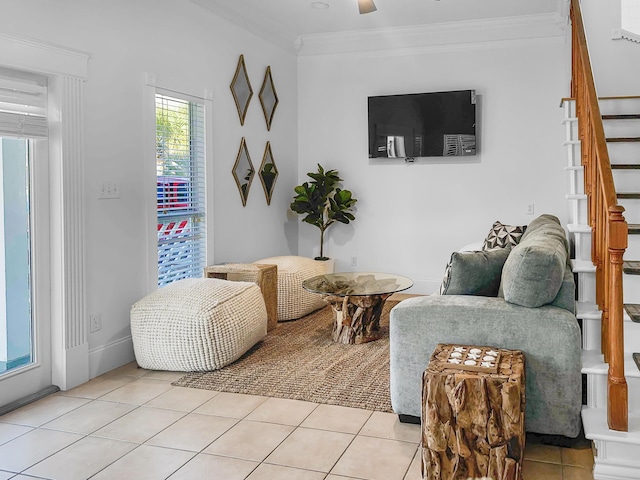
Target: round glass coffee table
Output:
[(357, 300)]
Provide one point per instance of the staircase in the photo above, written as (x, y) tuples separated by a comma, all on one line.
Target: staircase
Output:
[(617, 453)]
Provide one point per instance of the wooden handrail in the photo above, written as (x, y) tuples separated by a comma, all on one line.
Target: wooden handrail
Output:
[(608, 225)]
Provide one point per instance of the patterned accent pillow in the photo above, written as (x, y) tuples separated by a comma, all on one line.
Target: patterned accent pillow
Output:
[(503, 236), (446, 279)]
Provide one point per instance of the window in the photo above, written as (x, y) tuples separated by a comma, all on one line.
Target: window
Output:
[(629, 20), (23, 121), (180, 189)]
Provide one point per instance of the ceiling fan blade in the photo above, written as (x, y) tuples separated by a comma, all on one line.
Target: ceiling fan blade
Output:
[(366, 6)]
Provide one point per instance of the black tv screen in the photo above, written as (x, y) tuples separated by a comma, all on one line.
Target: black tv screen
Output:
[(441, 124)]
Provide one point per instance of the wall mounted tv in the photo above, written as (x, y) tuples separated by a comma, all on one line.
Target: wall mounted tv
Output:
[(441, 124)]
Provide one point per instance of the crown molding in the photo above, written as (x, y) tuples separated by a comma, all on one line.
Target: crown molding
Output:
[(42, 57), (444, 35), (274, 32)]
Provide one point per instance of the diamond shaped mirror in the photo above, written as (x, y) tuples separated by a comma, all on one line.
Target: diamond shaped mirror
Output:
[(268, 172), (241, 89), (243, 171), (268, 98)]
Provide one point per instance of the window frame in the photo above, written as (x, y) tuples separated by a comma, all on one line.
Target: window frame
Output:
[(619, 33), (151, 86)]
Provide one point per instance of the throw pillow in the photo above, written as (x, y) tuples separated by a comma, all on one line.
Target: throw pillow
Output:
[(474, 273), (502, 236), (534, 272)]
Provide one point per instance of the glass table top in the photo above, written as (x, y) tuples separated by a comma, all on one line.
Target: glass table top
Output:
[(357, 283)]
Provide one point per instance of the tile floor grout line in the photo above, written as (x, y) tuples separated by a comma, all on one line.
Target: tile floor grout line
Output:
[(406, 472), (383, 431)]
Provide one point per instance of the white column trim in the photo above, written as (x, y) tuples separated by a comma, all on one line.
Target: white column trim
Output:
[(70, 352)]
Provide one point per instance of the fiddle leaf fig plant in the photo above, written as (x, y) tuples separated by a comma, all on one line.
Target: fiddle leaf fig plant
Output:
[(323, 202)]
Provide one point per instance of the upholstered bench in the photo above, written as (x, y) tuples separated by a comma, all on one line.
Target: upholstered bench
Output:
[(293, 301), (197, 324)]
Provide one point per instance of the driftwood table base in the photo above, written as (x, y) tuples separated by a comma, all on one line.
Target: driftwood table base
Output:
[(356, 318), (473, 422)]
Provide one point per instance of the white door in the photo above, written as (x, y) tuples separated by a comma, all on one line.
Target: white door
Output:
[(25, 330)]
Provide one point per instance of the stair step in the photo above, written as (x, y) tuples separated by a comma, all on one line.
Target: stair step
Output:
[(628, 196), (623, 139), (631, 267), (593, 364), (597, 373), (595, 427), (626, 116), (617, 453), (625, 166), (586, 266), (576, 196), (588, 310), (578, 228), (633, 310)]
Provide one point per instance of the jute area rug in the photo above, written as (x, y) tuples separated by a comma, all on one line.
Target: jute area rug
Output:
[(298, 360)]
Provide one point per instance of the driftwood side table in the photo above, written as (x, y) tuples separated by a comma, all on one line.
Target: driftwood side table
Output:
[(266, 276), (473, 420), (357, 300)]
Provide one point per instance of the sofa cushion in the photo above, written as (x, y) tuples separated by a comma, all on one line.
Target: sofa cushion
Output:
[(534, 271), (501, 236), (474, 273)]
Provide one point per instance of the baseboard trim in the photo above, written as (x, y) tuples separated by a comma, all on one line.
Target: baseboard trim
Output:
[(615, 472), (114, 354), (21, 402)]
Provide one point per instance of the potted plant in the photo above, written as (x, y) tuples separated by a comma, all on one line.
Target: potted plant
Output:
[(323, 202)]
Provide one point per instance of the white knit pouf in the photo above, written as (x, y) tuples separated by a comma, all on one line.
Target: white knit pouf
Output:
[(294, 301), (197, 324)]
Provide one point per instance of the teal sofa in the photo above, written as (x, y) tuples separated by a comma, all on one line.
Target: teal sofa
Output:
[(533, 311)]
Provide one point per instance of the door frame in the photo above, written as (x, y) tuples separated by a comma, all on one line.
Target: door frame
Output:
[(67, 71)]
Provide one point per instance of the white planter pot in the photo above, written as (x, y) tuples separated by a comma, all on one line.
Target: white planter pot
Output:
[(328, 265)]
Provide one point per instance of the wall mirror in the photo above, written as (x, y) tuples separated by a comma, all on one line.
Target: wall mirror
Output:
[(243, 171), (241, 89), (268, 98), (268, 172)]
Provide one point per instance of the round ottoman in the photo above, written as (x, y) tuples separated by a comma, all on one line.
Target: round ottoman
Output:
[(293, 301), (197, 324)]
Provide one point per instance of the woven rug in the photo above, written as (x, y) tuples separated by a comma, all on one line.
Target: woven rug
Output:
[(298, 360)]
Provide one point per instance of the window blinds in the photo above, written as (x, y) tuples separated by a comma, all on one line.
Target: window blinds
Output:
[(23, 105), (180, 189)]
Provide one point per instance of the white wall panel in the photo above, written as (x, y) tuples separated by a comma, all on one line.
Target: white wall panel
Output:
[(410, 217), (187, 47)]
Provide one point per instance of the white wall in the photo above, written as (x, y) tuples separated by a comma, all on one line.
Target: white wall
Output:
[(410, 217), (615, 63), (190, 49)]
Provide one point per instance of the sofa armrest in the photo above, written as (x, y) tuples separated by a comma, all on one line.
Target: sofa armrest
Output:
[(549, 337)]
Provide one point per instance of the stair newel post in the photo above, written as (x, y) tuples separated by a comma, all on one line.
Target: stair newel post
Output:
[(617, 384)]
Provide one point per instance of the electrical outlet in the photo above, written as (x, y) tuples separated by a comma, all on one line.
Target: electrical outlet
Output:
[(95, 322), (531, 208), (354, 261)]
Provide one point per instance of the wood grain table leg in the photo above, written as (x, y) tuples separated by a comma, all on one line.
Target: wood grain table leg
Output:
[(356, 318)]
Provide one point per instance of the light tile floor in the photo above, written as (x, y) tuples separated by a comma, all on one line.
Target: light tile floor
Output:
[(133, 424)]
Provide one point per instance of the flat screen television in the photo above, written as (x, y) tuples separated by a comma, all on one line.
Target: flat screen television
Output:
[(440, 124)]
